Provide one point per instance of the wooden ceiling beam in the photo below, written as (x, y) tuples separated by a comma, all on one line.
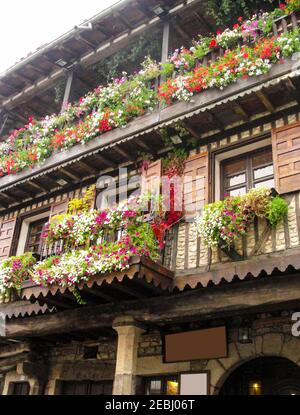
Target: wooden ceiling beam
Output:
[(240, 111), (180, 30), (123, 19), (72, 176), (98, 293), (106, 160), (203, 22), (191, 130), (28, 194), (128, 291), (36, 69), (107, 33), (37, 187), (123, 153), (85, 41), (90, 169), (144, 9), (142, 145), (292, 88), (265, 101), (214, 119)]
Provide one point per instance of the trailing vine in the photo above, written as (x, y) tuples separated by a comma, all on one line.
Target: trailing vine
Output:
[(226, 12), (113, 66)]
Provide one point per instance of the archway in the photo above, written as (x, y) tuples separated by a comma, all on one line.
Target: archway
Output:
[(264, 376)]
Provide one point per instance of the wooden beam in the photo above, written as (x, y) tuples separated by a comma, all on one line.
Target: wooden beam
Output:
[(90, 169), (98, 293), (204, 22), (123, 153), (106, 160), (191, 130), (72, 176), (240, 111), (121, 287), (265, 101), (142, 145), (86, 42), (67, 90), (10, 197), (3, 121), (292, 89), (273, 293), (123, 19), (215, 120), (36, 69), (36, 184), (180, 30), (165, 42)]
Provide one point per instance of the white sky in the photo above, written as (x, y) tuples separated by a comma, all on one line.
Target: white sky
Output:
[(28, 24)]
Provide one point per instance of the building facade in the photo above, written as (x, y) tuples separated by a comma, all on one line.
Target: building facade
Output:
[(222, 317)]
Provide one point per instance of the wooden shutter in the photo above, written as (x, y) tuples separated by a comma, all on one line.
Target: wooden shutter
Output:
[(7, 228), (58, 208), (151, 178), (196, 184), (286, 156)]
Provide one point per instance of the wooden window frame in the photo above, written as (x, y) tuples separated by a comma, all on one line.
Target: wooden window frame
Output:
[(250, 180), (20, 220), (28, 235)]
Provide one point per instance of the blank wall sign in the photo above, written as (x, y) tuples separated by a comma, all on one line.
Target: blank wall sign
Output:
[(194, 384)]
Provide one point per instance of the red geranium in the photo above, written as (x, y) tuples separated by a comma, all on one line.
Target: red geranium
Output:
[(213, 44)]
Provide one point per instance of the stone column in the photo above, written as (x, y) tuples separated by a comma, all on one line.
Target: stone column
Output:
[(128, 337)]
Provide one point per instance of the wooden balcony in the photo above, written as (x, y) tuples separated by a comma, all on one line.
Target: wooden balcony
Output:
[(143, 279)]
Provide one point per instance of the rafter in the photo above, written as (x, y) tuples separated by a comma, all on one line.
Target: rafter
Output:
[(123, 153), (191, 130), (240, 111), (265, 101), (106, 160)]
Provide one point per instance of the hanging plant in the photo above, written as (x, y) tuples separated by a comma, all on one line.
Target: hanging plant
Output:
[(226, 12), (223, 222)]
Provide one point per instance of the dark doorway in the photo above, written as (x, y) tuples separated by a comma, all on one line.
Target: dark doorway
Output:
[(86, 388), (20, 388), (264, 376)]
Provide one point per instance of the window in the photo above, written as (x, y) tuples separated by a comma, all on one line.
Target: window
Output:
[(20, 388), (34, 236), (252, 170), (90, 352), (167, 385), (87, 388)]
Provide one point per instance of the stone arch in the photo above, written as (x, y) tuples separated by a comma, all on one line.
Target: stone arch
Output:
[(268, 344)]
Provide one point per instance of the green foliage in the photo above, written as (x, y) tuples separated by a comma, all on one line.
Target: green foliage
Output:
[(292, 5), (226, 12), (113, 66), (167, 69), (201, 47), (13, 271), (277, 208), (223, 222), (173, 163)]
